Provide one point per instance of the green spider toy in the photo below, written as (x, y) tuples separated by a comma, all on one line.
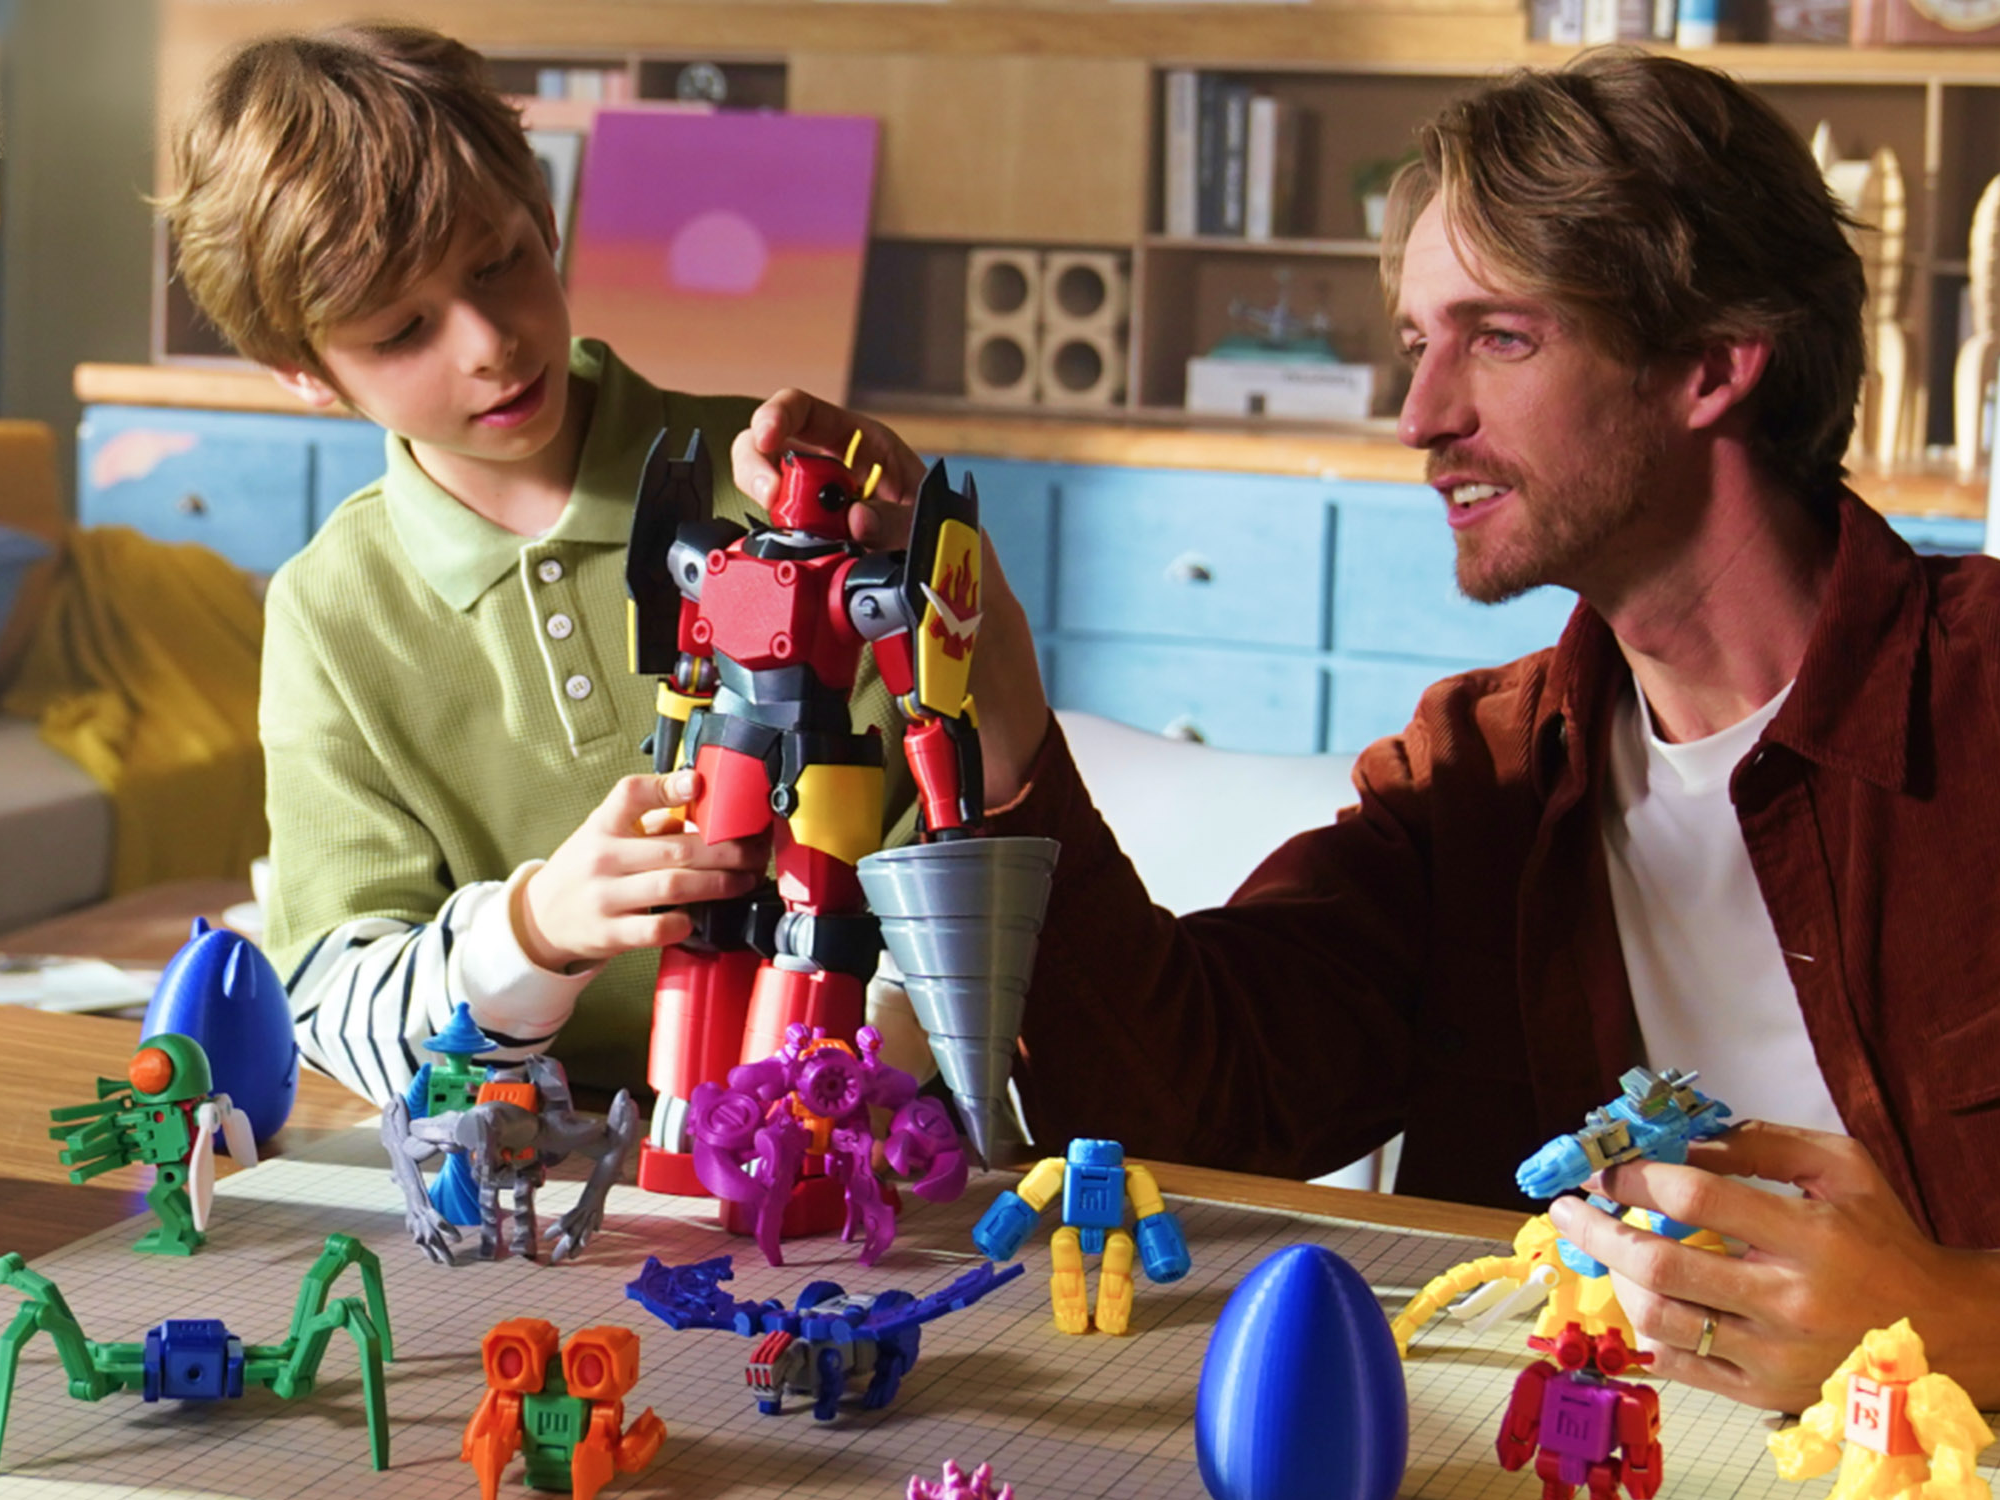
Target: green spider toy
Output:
[(161, 1112), (198, 1359)]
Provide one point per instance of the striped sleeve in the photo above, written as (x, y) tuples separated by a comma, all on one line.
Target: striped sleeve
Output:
[(370, 992)]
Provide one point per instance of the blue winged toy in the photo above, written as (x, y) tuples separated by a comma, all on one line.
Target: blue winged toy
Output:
[(831, 1340)]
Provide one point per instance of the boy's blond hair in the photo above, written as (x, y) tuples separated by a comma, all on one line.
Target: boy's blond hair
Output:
[(321, 175)]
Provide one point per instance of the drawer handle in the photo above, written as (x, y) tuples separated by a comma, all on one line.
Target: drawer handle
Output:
[(191, 504), (1185, 729), (1190, 567)]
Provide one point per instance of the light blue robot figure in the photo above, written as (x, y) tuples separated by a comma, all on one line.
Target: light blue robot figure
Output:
[(1656, 1118), (1095, 1184)]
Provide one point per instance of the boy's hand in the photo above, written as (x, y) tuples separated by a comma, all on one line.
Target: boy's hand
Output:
[(794, 420), (596, 896), (1006, 678)]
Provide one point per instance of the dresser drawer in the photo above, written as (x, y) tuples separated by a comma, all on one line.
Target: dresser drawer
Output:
[(242, 488), (1239, 700), (1395, 590), (1017, 509), (1214, 558)]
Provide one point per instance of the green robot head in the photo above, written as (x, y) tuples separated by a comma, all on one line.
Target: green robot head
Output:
[(169, 1069)]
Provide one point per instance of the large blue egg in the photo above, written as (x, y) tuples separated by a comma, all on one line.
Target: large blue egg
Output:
[(222, 991), (1301, 1391)]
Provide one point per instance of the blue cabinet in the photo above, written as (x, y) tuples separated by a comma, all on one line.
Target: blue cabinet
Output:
[(1251, 611), (252, 486)]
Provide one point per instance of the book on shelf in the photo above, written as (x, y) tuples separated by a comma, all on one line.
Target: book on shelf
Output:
[(1628, 21), (1235, 155), (1180, 187), (1271, 169)]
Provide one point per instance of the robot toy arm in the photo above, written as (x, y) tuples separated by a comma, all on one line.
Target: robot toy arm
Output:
[(1163, 1250), (1012, 1216), (431, 1231)]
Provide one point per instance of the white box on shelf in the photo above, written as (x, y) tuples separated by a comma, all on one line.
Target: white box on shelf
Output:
[(1234, 387)]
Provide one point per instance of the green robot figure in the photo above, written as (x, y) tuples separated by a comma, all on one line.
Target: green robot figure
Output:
[(160, 1112), (199, 1359)]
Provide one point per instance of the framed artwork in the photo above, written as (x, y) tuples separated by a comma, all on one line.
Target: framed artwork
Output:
[(723, 252)]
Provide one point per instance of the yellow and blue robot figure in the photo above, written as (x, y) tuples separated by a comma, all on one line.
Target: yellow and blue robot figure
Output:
[(1096, 1184)]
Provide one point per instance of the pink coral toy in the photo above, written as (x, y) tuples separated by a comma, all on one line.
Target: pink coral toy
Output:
[(957, 1485)]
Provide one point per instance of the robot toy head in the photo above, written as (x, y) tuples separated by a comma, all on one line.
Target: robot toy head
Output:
[(1084, 1153), (169, 1069), (813, 495), (814, 492)]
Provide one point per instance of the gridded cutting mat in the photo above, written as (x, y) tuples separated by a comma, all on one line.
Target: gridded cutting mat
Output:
[(1062, 1418)]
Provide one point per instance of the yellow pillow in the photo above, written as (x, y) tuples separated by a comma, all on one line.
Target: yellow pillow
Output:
[(33, 530)]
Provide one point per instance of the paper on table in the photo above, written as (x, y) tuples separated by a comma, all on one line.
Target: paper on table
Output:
[(60, 982)]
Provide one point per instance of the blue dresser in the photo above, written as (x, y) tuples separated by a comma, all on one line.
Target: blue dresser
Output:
[(1251, 611)]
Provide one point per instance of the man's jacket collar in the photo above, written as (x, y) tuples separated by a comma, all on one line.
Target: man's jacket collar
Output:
[(1851, 704)]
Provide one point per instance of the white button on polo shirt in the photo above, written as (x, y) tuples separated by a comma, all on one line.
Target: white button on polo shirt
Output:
[(549, 570), (559, 627), (578, 687)]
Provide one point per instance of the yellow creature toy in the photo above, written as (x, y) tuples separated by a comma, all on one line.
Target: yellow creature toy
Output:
[(1910, 1434), (1574, 1295)]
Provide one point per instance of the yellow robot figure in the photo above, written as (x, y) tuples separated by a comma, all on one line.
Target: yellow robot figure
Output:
[(1543, 1264), (1095, 1183), (1909, 1432)]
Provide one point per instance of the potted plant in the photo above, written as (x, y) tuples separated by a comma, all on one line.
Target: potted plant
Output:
[(1371, 188)]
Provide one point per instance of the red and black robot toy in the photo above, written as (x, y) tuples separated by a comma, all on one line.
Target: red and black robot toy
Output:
[(1580, 1417), (756, 637)]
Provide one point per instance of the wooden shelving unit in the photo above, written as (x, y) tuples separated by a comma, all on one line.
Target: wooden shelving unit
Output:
[(1037, 123)]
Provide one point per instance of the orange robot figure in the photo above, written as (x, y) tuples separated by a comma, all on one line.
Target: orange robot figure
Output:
[(567, 1416), (757, 638)]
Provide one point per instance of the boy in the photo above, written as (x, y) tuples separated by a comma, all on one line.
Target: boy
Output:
[(445, 700)]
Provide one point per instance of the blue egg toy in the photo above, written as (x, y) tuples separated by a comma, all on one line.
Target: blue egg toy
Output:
[(1301, 1390), (222, 991)]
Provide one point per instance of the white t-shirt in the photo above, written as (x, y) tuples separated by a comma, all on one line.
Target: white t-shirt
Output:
[(1708, 981)]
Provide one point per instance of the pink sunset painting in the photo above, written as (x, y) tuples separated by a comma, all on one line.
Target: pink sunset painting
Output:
[(722, 253)]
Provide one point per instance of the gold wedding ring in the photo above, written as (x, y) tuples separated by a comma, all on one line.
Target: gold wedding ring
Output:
[(1707, 1340)]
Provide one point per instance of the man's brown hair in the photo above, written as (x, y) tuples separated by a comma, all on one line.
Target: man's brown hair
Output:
[(1663, 208), (321, 175)]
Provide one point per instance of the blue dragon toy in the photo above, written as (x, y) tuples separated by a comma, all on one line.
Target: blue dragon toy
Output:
[(831, 1340)]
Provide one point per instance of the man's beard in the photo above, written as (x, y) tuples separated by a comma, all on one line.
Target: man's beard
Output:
[(1568, 521)]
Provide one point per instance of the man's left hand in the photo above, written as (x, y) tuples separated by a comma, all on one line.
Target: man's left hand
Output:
[(1820, 1270)]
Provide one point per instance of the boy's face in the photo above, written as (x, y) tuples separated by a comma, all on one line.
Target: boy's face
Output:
[(471, 363)]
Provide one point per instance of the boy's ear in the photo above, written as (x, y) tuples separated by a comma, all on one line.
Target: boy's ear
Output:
[(308, 387)]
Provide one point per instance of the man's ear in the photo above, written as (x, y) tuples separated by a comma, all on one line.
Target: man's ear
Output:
[(312, 389), (1722, 377)]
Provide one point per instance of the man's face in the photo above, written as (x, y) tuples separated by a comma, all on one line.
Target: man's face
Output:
[(471, 362), (1544, 449)]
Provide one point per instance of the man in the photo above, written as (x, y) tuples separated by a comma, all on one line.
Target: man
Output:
[(1744, 806)]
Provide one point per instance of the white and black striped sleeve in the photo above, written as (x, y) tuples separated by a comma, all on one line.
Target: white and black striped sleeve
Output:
[(373, 990)]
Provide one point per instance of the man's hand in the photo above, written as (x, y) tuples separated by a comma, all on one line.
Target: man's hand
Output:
[(1006, 677), (1819, 1272), (596, 896)]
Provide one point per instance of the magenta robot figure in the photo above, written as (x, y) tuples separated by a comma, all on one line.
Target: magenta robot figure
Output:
[(1581, 1417), (804, 1112)]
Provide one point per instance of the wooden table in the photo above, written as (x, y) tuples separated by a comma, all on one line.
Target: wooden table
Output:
[(53, 1060), (145, 927)]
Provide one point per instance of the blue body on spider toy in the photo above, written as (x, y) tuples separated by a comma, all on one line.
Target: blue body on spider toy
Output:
[(1096, 1184)]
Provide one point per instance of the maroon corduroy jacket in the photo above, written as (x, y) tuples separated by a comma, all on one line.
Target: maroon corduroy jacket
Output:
[(1444, 959)]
